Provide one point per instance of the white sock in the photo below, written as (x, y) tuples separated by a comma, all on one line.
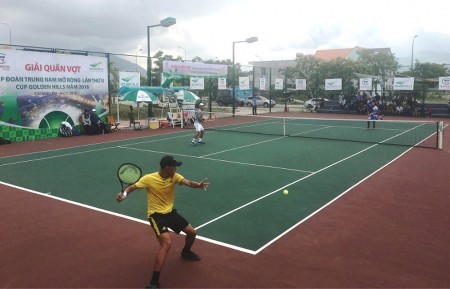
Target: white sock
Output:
[(200, 139)]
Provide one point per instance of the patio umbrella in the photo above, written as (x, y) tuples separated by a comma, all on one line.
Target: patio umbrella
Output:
[(187, 96), (140, 96)]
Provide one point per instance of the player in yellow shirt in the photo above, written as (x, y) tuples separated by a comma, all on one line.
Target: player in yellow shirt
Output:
[(160, 188)]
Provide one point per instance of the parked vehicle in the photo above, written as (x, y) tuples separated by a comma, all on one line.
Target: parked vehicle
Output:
[(315, 101), (227, 99), (260, 101)]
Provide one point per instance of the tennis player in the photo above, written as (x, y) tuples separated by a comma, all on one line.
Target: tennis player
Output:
[(161, 214), (373, 113), (199, 130)]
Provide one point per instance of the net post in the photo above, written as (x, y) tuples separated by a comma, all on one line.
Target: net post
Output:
[(440, 134), (284, 126)]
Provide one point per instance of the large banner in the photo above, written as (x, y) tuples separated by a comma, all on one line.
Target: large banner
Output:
[(197, 83), (300, 84), (403, 83), (222, 83), (127, 78), (262, 83), (365, 84), (195, 69), (40, 90), (279, 83), (444, 83), (244, 83), (333, 84)]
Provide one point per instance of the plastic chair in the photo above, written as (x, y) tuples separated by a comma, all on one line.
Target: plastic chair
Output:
[(112, 123), (172, 120)]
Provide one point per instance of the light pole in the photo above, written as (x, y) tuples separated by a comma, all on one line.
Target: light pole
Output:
[(9, 31), (412, 52), (184, 52), (169, 21), (233, 81), (136, 59)]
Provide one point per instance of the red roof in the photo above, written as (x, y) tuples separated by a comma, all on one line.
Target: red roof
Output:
[(331, 54)]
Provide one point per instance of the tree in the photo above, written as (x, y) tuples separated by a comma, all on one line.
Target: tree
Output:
[(157, 67), (340, 68), (308, 68)]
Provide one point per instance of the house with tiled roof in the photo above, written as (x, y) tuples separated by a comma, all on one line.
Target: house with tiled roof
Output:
[(276, 68), (346, 53)]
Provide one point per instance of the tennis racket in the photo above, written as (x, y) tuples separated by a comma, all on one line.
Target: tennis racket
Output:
[(128, 174)]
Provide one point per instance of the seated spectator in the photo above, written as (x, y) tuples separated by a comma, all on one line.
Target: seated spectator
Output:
[(399, 109), (86, 122), (97, 125)]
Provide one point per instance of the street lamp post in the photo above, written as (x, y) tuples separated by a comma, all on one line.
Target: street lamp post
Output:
[(169, 21), (9, 31), (136, 59), (184, 52), (233, 81), (412, 52)]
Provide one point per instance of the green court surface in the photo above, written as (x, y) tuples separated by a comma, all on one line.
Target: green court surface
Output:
[(244, 207)]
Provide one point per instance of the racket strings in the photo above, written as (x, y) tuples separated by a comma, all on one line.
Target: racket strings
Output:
[(129, 174)]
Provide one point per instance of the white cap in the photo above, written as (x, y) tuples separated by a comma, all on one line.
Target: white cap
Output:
[(93, 109), (201, 104)]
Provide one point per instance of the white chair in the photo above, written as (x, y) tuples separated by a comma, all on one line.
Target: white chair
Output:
[(172, 120)]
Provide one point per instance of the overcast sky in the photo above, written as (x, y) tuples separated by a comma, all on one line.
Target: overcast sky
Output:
[(207, 28)]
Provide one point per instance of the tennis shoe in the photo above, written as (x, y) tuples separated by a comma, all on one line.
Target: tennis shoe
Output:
[(193, 143), (189, 255), (201, 142), (152, 286)]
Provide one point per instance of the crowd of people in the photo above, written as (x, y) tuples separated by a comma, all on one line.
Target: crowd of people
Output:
[(92, 124), (398, 105)]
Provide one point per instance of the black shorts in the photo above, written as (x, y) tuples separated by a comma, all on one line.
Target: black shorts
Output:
[(162, 222)]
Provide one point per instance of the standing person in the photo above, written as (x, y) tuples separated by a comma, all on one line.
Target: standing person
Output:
[(254, 105), (160, 188), (199, 130)]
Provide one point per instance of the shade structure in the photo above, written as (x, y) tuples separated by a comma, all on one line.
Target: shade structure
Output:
[(139, 96), (187, 96)]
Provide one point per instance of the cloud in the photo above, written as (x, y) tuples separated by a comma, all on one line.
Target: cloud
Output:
[(207, 28)]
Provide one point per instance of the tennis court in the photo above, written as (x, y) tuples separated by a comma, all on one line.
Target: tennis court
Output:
[(244, 208)]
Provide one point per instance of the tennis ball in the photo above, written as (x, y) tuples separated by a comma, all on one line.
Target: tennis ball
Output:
[(285, 192)]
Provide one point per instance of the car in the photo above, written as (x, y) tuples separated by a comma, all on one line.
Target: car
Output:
[(315, 101), (260, 101), (227, 99)]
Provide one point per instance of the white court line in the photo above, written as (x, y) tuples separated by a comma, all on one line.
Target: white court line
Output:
[(85, 145), (213, 159), (301, 179), (49, 195), (82, 152), (232, 211), (327, 204)]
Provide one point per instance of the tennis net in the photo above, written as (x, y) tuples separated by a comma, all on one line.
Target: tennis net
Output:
[(391, 132)]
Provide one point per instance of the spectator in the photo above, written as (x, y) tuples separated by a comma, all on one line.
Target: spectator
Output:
[(86, 122), (97, 125)]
